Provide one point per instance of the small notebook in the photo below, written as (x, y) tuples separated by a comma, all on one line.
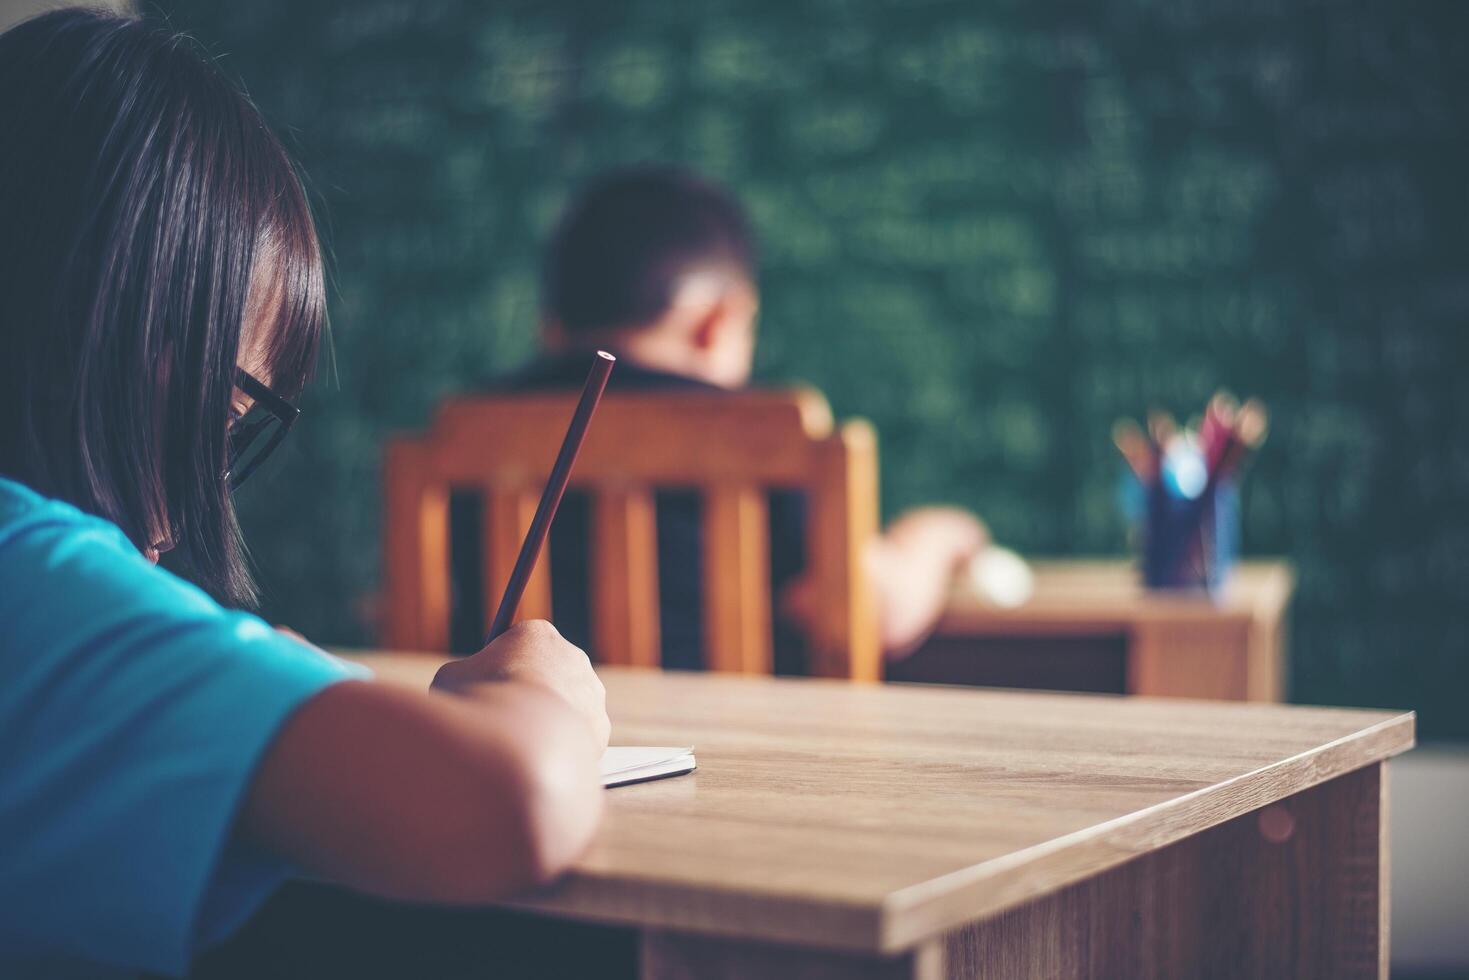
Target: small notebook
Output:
[(623, 764)]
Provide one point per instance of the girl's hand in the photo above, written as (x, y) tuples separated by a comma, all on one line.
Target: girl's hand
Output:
[(533, 652)]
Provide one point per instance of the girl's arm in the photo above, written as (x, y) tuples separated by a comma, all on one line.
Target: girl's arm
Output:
[(484, 786)]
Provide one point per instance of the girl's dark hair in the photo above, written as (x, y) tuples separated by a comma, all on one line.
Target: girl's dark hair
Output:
[(141, 198)]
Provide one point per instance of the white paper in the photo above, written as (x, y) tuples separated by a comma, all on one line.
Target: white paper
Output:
[(631, 763)]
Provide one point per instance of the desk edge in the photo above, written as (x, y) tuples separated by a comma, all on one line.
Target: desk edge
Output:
[(981, 891)]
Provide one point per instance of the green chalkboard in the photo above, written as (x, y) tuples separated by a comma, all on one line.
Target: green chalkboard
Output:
[(990, 227)]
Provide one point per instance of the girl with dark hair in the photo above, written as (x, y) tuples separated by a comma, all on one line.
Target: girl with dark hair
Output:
[(165, 759)]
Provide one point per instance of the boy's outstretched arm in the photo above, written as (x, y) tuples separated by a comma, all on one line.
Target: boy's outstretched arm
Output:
[(482, 786), (912, 567)]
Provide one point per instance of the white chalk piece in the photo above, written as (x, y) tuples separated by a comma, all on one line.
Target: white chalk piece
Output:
[(1000, 577)]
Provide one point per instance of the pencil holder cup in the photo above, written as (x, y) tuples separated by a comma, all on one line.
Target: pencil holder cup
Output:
[(1190, 543)]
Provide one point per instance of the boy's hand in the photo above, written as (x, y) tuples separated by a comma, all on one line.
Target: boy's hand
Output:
[(533, 652)]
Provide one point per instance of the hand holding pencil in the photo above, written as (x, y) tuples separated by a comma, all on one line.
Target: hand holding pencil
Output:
[(534, 652)]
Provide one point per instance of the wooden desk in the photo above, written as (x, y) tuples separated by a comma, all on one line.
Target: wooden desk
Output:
[(1091, 626), (839, 829)]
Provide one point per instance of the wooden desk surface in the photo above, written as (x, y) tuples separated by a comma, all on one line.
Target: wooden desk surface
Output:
[(872, 817), (1103, 594)]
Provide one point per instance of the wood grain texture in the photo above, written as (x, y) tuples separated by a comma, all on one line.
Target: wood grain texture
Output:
[(876, 817), (1229, 647), (624, 553), (680, 956), (1295, 890), (737, 637)]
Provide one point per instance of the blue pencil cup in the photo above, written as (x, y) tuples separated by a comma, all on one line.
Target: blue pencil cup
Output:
[(1190, 544)]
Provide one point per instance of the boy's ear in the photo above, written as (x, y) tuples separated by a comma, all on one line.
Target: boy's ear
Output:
[(710, 325)]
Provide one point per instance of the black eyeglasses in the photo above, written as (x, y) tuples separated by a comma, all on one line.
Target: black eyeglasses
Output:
[(254, 435)]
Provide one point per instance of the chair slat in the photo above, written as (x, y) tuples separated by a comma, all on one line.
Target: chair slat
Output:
[(416, 572), (844, 520), (508, 514), (737, 579), (624, 553)]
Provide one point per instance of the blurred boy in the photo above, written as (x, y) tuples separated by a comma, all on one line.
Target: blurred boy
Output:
[(658, 267)]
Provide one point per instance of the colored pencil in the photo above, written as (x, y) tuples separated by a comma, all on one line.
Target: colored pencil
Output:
[(1136, 449), (1161, 429), (535, 538), (1218, 422), (1250, 426)]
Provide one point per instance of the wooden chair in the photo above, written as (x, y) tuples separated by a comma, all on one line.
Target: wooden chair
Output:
[(733, 447)]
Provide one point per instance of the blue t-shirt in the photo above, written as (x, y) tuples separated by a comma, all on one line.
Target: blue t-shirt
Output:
[(133, 711)]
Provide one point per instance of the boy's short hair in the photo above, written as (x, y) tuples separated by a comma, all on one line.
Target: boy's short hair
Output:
[(623, 246)]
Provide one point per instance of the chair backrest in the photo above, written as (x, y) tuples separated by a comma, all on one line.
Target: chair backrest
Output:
[(732, 447)]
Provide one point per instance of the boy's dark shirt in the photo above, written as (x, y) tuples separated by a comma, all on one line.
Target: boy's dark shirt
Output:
[(680, 545)]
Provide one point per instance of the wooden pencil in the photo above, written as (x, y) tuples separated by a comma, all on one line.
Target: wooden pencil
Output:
[(535, 538), (1136, 449)]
